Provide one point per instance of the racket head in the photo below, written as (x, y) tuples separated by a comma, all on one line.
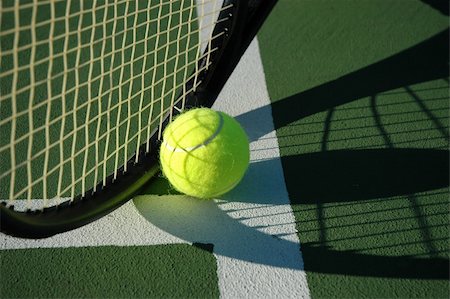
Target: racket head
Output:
[(235, 24)]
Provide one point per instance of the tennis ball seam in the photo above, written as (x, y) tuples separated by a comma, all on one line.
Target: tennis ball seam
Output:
[(199, 152), (177, 149)]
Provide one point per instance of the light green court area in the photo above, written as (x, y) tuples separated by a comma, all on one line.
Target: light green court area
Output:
[(164, 271), (360, 104)]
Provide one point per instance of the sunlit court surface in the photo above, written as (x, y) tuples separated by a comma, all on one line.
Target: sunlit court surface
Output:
[(346, 107)]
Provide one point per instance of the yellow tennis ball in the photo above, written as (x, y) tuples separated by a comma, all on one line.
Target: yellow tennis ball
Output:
[(204, 153)]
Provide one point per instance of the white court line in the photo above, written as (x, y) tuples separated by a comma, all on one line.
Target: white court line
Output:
[(274, 267), (252, 228)]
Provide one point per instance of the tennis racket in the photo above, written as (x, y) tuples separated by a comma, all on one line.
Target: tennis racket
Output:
[(86, 89)]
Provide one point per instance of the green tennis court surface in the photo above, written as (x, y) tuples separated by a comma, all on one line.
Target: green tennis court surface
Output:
[(359, 95), (146, 271), (366, 157)]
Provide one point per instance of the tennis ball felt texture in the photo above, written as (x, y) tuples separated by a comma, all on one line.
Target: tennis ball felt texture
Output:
[(204, 153)]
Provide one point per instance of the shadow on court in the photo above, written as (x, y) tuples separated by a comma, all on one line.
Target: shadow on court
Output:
[(368, 178), (346, 178), (353, 263), (439, 5), (351, 175), (357, 183), (423, 62), (201, 221)]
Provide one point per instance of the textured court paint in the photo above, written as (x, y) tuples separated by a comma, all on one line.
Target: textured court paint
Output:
[(360, 93), (127, 227), (109, 271)]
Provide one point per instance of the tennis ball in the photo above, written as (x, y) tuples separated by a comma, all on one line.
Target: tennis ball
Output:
[(204, 153)]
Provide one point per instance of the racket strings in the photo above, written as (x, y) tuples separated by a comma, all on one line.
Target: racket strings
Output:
[(98, 137), (63, 75), (83, 84)]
